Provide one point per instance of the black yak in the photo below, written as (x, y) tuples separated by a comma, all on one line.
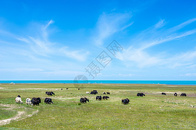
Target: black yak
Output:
[(94, 92), (106, 97), (36, 101), (125, 101), (84, 100), (98, 98), (140, 94), (48, 100), (183, 94)]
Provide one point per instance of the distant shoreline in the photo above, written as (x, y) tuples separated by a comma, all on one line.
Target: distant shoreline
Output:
[(157, 82)]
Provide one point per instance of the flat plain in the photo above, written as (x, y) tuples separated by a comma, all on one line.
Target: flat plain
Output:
[(153, 111)]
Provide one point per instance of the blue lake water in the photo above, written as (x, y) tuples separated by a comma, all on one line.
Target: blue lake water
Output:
[(171, 82)]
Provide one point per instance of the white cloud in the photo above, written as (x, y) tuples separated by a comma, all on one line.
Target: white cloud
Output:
[(187, 56), (44, 32), (23, 39), (49, 23), (125, 75), (22, 70), (140, 57), (42, 46), (184, 59), (168, 38), (108, 24), (192, 66), (126, 26), (160, 24), (78, 55), (63, 73), (190, 74), (39, 45), (182, 25)]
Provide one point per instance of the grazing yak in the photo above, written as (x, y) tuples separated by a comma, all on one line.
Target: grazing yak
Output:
[(175, 94), (36, 101), (183, 94), (28, 101), (108, 92), (140, 94), (104, 93), (18, 96), (105, 97), (39, 99), (163, 93), (50, 93), (98, 98), (94, 92), (125, 101), (18, 100), (84, 100), (48, 100)]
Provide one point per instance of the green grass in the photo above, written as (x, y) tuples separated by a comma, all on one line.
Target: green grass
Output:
[(6, 113), (154, 111)]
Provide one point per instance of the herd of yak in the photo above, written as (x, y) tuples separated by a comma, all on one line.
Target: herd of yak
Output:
[(36, 101)]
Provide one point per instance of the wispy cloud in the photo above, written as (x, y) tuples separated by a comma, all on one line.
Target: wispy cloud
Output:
[(78, 55), (183, 59), (40, 46), (108, 24), (167, 39), (143, 58), (138, 56), (47, 25), (21, 70), (44, 47), (190, 74), (126, 26), (32, 54), (186, 56), (44, 30), (180, 26), (63, 73), (160, 24)]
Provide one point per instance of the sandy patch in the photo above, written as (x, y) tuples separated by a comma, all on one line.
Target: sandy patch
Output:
[(29, 115), (129, 91), (191, 95), (163, 92), (171, 86), (47, 89), (32, 89), (8, 106), (170, 93), (61, 98)]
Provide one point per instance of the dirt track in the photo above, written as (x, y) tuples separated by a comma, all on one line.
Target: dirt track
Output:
[(21, 114)]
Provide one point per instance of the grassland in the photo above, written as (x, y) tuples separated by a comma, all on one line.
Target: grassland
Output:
[(154, 111)]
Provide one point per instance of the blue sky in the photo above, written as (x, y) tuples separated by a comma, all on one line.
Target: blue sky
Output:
[(60, 39)]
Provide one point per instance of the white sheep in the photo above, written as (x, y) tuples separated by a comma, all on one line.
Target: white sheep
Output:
[(87, 92), (28, 101), (18, 100)]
